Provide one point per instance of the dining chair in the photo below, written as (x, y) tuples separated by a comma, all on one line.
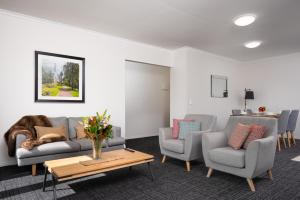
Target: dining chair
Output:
[(292, 122), (282, 127), (249, 111), (236, 112)]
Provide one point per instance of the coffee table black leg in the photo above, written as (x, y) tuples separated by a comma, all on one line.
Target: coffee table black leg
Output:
[(45, 178), (149, 168), (54, 187)]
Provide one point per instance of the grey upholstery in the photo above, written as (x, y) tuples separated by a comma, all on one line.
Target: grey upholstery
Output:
[(249, 163), (190, 148), (236, 112), (249, 111), (62, 149), (283, 121), (292, 122)]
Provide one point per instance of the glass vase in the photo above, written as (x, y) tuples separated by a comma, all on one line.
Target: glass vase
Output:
[(97, 149)]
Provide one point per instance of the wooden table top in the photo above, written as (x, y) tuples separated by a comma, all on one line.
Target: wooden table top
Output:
[(79, 166)]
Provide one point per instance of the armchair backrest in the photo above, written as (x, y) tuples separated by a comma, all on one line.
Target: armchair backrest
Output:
[(207, 121), (268, 122)]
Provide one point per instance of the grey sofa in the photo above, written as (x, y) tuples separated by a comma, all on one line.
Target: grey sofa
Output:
[(258, 158), (63, 149), (190, 148)]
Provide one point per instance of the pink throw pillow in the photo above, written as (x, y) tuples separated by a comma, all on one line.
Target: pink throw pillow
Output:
[(239, 135), (176, 128), (256, 132)]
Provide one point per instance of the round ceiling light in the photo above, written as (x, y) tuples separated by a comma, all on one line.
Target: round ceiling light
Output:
[(244, 20), (252, 44)]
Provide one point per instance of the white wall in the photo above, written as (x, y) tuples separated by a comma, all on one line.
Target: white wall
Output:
[(193, 69), (105, 57), (147, 99), (276, 83)]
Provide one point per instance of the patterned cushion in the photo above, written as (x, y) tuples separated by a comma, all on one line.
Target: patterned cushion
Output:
[(175, 130), (186, 127), (239, 135), (256, 132)]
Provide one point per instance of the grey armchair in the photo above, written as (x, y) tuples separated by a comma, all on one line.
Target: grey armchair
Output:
[(258, 158), (190, 148)]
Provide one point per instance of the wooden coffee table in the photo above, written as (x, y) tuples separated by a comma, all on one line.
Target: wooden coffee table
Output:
[(81, 166)]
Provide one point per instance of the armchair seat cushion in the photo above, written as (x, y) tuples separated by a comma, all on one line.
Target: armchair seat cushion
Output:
[(49, 149), (174, 145), (228, 156)]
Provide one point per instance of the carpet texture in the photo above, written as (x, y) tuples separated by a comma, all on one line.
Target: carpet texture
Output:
[(171, 181)]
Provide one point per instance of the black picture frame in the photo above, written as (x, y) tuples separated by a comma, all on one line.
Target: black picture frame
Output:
[(73, 63)]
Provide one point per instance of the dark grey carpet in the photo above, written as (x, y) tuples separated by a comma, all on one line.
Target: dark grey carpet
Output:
[(172, 181)]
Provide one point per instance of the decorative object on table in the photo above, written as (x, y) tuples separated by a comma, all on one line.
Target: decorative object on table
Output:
[(59, 78), (219, 86), (249, 94), (262, 109), (97, 128)]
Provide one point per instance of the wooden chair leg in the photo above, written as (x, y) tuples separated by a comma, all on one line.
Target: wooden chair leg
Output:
[(209, 173), (164, 159), (270, 174), (293, 137), (33, 170), (289, 139), (188, 166), (278, 143), (251, 184), (282, 136)]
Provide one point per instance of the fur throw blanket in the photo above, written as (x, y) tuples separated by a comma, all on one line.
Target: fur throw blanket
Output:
[(25, 126)]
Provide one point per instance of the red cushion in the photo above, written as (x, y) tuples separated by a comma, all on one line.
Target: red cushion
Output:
[(176, 128), (256, 132), (239, 135)]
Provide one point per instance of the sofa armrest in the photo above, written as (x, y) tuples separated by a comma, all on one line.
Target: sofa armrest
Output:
[(260, 155), (210, 141), (116, 131), (193, 144), (19, 139), (165, 133)]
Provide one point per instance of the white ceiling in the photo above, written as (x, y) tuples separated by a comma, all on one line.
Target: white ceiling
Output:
[(202, 24)]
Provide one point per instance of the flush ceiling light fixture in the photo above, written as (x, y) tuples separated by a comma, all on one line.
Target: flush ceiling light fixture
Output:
[(244, 20), (252, 44)]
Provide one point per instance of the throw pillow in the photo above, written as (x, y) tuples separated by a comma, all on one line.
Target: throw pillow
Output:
[(80, 132), (50, 134), (239, 135), (186, 127), (256, 132), (175, 130)]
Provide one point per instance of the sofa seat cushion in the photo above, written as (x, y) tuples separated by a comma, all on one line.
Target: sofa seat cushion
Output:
[(228, 156), (175, 145), (86, 144), (115, 141), (48, 149)]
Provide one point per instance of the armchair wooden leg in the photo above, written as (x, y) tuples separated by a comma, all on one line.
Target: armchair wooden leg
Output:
[(209, 173), (270, 174), (164, 159), (33, 170), (251, 184), (188, 166), (278, 143)]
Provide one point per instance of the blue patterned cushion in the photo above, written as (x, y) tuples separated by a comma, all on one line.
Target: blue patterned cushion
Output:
[(187, 127)]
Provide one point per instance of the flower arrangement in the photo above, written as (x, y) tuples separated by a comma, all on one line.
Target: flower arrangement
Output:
[(97, 128)]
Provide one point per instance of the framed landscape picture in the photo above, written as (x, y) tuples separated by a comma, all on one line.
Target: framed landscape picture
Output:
[(59, 78)]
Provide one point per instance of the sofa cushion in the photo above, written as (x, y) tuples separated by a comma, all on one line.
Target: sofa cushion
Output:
[(228, 156), (73, 122), (175, 130), (239, 135), (48, 149), (80, 132), (257, 132), (174, 145), (86, 144), (186, 128), (60, 121), (115, 141)]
